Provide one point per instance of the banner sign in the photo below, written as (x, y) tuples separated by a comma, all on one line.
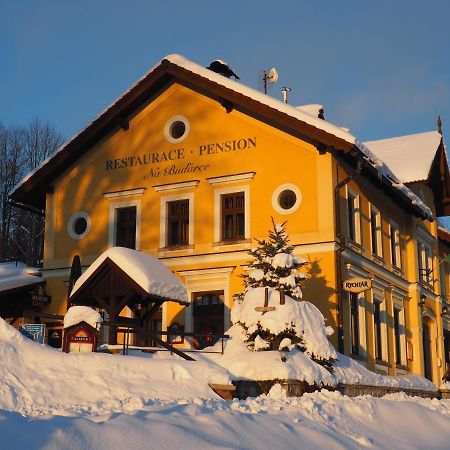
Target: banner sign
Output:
[(357, 284), (34, 331)]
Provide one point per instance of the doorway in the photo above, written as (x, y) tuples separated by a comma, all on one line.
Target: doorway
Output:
[(426, 340), (208, 313)]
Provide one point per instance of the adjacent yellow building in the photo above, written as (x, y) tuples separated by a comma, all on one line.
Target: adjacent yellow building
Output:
[(190, 166)]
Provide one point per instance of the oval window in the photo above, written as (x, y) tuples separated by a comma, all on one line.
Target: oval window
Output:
[(176, 129), (79, 225), (286, 198)]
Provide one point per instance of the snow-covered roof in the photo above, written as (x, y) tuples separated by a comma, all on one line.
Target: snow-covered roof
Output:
[(78, 314), (252, 94), (312, 109), (409, 157), (13, 276), (148, 272)]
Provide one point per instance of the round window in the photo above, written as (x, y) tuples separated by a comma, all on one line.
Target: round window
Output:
[(176, 129), (79, 225), (286, 198)]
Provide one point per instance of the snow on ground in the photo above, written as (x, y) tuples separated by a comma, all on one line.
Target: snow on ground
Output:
[(36, 379), (314, 421)]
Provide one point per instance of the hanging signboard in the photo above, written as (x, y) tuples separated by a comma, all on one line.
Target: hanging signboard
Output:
[(34, 331), (357, 284), (40, 300)]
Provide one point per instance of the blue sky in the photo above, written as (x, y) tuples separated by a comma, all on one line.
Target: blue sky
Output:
[(379, 68)]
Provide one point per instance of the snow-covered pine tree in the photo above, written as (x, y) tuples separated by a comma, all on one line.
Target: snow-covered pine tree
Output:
[(270, 310), (275, 265)]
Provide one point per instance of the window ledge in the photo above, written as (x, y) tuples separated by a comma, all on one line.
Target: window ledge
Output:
[(401, 367), (176, 248), (397, 271), (232, 242), (377, 259), (355, 246), (379, 362)]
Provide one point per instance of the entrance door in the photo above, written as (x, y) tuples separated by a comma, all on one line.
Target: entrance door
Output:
[(426, 336), (208, 309)]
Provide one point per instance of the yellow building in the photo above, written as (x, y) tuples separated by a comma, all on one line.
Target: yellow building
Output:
[(190, 166)]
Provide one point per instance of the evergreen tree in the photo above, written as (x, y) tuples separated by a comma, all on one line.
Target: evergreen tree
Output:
[(274, 264)]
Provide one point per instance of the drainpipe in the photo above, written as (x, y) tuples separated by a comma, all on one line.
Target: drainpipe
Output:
[(341, 242)]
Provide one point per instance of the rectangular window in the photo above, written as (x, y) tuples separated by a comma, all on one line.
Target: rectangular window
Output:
[(178, 222), (353, 217), (425, 263), (377, 330), (397, 336), (375, 231), (125, 227), (233, 216), (395, 246), (354, 321)]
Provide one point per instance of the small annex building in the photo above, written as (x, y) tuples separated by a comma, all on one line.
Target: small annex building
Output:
[(188, 167)]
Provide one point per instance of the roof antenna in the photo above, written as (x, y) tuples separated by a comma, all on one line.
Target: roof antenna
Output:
[(439, 124), (285, 91), (270, 77)]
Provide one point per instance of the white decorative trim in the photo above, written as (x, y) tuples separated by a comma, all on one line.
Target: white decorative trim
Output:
[(112, 221), (276, 196), (209, 272), (170, 122), (217, 209), (163, 216), (226, 179), (378, 229), (124, 193), (71, 222), (176, 186), (357, 214)]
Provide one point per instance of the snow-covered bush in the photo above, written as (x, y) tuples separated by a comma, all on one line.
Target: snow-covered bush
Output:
[(270, 309)]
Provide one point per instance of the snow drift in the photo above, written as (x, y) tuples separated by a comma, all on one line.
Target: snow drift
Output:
[(36, 379)]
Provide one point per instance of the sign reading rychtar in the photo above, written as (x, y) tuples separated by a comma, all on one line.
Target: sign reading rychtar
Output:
[(357, 284)]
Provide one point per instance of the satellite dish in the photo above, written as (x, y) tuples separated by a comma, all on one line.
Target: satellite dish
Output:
[(272, 76)]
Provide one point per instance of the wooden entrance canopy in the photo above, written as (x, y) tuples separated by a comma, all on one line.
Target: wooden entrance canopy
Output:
[(110, 287)]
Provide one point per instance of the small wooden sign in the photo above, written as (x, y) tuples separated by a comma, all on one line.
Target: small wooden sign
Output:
[(265, 308), (40, 300), (357, 284)]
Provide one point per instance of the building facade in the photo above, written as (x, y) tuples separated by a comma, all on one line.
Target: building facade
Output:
[(191, 167)]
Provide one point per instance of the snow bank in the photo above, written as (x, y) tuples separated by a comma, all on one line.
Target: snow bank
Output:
[(322, 420), (245, 364), (36, 379), (349, 371), (303, 316), (77, 314), (146, 270)]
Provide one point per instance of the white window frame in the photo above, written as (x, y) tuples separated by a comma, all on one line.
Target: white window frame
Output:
[(394, 232), (398, 304), (425, 262), (164, 213), (379, 231), (112, 221), (356, 216), (362, 335), (218, 205), (379, 298)]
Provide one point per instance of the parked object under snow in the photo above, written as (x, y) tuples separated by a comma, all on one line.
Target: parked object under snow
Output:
[(148, 272), (78, 314)]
